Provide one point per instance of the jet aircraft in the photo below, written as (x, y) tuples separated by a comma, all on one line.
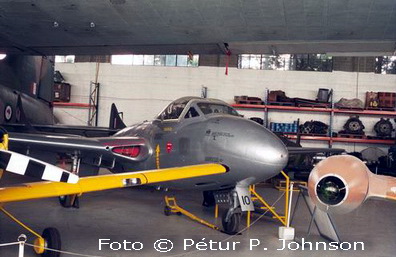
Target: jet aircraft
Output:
[(340, 184), (189, 131), (23, 165)]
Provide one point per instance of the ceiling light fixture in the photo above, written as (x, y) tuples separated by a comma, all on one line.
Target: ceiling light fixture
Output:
[(2, 56)]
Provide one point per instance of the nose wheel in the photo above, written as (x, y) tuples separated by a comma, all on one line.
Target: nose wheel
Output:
[(230, 221)]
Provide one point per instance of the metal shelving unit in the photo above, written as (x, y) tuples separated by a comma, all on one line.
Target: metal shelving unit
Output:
[(92, 106), (71, 105), (332, 111)]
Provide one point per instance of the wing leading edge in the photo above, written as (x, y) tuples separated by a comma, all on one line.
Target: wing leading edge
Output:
[(39, 190)]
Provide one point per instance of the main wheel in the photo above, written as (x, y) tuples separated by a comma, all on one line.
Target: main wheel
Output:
[(53, 241), (167, 210), (68, 201), (232, 225)]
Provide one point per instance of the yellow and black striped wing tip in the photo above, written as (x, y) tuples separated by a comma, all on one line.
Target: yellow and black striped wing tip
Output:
[(27, 166)]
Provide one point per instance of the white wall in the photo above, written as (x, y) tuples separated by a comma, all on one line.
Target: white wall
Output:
[(141, 92)]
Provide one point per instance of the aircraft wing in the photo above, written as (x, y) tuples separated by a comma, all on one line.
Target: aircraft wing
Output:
[(313, 150), (101, 151), (85, 131), (38, 190)]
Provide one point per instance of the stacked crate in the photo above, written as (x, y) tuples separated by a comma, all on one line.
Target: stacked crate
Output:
[(284, 127), (387, 99)]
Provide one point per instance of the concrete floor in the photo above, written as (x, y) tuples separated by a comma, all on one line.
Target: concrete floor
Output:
[(136, 215)]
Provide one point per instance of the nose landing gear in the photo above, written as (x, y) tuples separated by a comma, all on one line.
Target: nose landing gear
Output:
[(231, 219)]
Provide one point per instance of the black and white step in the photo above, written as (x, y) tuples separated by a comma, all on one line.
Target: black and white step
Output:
[(27, 166)]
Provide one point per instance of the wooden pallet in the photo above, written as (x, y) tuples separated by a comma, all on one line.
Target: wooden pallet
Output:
[(255, 102)]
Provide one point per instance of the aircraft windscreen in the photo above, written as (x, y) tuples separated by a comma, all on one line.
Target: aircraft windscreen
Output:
[(173, 110), (209, 108)]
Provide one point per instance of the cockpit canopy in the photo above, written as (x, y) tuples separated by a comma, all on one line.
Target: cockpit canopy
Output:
[(193, 107)]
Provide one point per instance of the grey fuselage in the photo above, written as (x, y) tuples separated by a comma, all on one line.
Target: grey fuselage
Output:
[(251, 152)]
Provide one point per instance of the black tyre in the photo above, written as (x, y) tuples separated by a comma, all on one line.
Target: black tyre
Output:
[(65, 201), (167, 211), (68, 201), (232, 225), (53, 241)]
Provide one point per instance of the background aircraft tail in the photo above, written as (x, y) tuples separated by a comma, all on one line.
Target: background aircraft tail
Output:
[(116, 121)]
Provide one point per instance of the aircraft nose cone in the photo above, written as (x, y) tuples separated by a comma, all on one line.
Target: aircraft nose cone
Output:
[(249, 149), (266, 148)]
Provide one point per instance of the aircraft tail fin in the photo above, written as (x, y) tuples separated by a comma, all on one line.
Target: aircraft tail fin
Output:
[(116, 121), (21, 115)]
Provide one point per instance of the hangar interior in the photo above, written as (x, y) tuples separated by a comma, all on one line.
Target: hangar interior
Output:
[(272, 123), (141, 92)]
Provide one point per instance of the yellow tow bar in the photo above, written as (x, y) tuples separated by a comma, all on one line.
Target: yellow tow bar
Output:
[(172, 207)]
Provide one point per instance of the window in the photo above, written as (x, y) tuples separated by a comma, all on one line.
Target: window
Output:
[(385, 64), (65, 58), (312, 62), (170, 60), (208, 108), (191, 113), (138, 60), (126, 59), (305, 62), (182, 60), (249, 61), (156, 60), (173, 110), (148, 60), (159, 60)]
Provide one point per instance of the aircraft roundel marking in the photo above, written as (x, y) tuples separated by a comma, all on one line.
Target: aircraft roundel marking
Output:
[(8, 112)]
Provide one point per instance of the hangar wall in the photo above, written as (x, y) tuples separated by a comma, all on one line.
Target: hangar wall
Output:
[(141, 92)]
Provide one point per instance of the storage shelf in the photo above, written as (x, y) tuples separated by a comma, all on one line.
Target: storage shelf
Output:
[(345, 139), (365, 112), (72, 105), (315, 109), (331, 112)]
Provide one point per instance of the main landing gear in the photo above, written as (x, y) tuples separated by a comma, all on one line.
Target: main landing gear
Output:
[(71, 201), (44, 243)]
